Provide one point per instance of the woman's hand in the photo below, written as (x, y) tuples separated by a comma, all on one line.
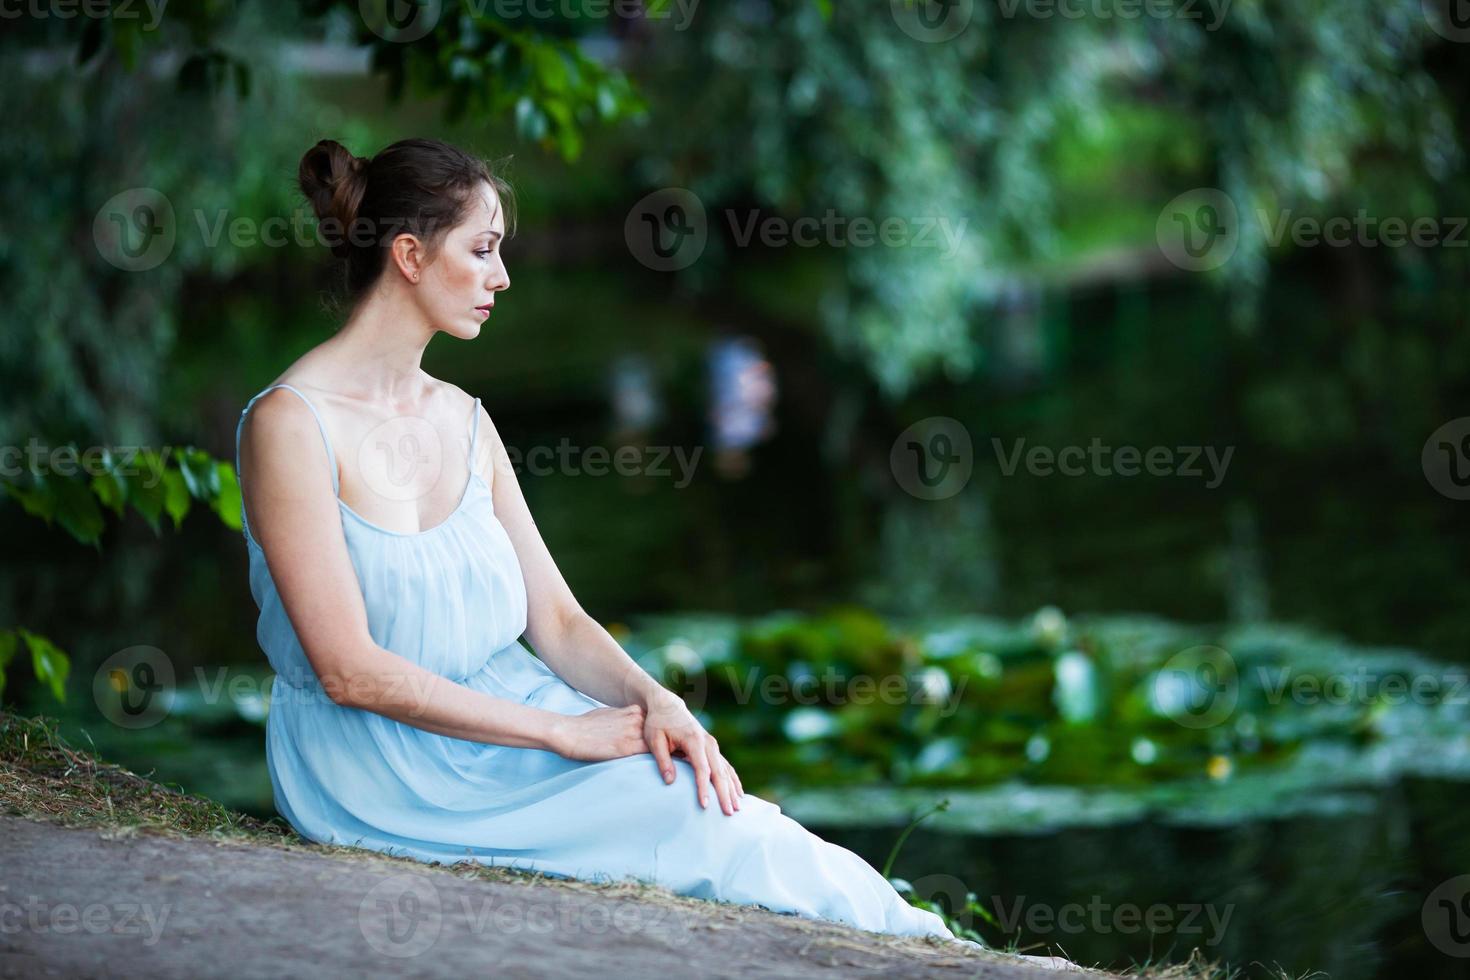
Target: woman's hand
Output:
[(601, 734), (669, 727)]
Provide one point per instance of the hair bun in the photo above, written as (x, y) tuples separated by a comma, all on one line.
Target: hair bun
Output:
[(334, 181)]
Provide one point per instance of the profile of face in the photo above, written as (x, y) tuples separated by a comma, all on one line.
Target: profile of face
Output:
[(459, 284)]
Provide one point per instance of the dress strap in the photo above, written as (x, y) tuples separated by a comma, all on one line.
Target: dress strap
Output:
[(331, 456), (474, 433)]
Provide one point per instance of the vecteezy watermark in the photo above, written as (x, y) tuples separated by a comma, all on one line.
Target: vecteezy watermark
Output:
[(137, 229), (403, 916), (1211, 12), (933, 458), (138, 687), (400, 21), (134, 688), (834, 688), (128, 461), (1101, 917), (1201, 228), (1099, 459), (837, 231), (932, 21), (1446, 458), (34, 914), (405, 21), (567, 459), (91, 9), (1362, 686), (1450, 19), (1446, 917), (680, 13), (668, 229), (1197, 687), (1201, 687)]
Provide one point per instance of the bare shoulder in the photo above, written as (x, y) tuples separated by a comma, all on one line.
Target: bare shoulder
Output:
[(280, 422)]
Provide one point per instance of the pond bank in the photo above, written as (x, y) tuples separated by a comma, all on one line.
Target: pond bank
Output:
[(105, 872), (88, 902)]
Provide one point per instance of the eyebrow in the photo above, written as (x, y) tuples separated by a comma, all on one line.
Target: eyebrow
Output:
[(492, 233)]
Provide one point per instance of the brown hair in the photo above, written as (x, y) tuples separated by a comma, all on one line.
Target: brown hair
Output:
[(421, 186)]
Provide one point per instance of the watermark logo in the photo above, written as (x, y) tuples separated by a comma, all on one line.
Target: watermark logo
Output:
[(933, 458), (1446, 459), (1099, 917), (1199, 230), (38, 916), (932, 21), (1450, 19), (135, 229), (400, 21), (401, 916), (667, 229), (680, 668), (1446, 917), (1100, 459), (401, 458), (134, 688), (1197, 688)]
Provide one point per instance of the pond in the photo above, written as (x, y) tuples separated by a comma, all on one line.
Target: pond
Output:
[(1119, 789)]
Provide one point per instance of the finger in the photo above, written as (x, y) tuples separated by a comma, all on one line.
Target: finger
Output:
[(659, 746), (724, 788), (735, 778), (700, 758)]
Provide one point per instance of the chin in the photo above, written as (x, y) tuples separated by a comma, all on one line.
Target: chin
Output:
[(464, 331)]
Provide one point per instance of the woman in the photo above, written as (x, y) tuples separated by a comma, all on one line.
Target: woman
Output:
[(405, 716)]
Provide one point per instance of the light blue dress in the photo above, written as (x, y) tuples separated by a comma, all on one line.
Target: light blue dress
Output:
[(451, 599)]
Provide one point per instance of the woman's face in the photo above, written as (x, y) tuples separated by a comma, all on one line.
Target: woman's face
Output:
[(461, 283)]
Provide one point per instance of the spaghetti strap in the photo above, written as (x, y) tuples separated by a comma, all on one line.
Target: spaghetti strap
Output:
[(239, 426), (474, 434)]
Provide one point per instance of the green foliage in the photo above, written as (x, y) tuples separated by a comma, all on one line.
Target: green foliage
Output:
[(487, 68), (1052, 140), (152, 483), (49, 663)]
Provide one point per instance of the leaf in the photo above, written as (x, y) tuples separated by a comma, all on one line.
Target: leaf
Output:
[(176, 499), (551, 70), (109, 486), (77, 510), (144, 492), (50, 664), (227, 505), (198, 470), (530, 120), (36, 501)]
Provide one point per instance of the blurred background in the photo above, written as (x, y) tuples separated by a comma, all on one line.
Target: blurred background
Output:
[(1095, 370)]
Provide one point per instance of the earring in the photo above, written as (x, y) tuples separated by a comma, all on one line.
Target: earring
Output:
[(415, 277)]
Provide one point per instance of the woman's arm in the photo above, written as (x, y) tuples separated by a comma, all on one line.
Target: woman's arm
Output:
[(286, 485), (585, 655)]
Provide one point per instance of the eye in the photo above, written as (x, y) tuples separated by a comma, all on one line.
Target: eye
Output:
[(482, 252)]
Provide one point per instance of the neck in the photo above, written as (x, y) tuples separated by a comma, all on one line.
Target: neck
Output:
[(383, 342)]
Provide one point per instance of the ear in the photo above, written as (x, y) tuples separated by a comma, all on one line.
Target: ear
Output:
[(407, 254)]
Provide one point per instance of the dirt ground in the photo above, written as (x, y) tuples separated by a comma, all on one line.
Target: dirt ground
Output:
[(105, 903)]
